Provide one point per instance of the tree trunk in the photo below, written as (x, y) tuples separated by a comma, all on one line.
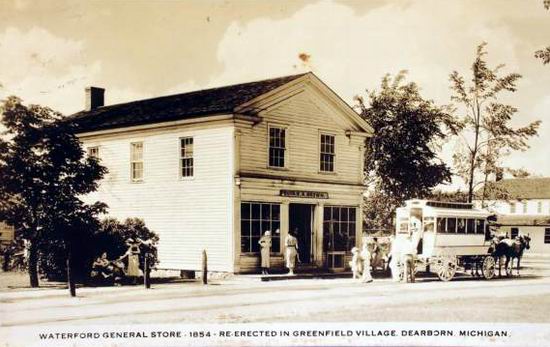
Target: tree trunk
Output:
[(471, 180), (146, 272), (33, 264), (70, 275)]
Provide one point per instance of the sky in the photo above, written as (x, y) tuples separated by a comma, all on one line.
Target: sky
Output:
[(51, 50)]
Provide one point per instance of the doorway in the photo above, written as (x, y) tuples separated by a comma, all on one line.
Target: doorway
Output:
[(301, 221)]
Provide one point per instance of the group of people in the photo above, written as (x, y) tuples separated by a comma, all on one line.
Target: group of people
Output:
[(291, 251), (125, 266), (403, 253), (362, 259)]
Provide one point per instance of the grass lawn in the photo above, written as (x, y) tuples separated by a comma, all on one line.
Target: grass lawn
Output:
[(20, 280)]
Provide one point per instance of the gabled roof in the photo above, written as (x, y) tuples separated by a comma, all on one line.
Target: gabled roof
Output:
[(176, 107), (525, 188), (525, 220)]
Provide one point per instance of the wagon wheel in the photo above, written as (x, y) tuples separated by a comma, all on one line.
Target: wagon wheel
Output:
[(445, 267), (488, 267)]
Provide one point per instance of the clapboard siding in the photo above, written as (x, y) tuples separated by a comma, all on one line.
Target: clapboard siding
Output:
[(305, 119), (189, 214)]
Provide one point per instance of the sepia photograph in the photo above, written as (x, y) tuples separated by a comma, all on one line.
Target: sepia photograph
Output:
[(274, 173)]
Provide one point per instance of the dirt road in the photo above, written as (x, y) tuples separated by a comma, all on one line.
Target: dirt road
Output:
[(523, 299)]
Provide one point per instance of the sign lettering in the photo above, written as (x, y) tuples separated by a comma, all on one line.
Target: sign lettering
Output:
[(303, 194)]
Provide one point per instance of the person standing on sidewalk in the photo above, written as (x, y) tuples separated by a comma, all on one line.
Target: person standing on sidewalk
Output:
[(291, 252), (365, 256), (265, 244)]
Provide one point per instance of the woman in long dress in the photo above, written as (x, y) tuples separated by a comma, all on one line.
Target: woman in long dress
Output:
[(365, 256), (132, 270), (265, 244), (291, 252)]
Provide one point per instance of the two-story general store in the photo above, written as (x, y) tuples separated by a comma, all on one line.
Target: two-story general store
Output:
[(214, 169)]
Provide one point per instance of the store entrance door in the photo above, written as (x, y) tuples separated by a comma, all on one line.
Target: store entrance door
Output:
[(301, 222)]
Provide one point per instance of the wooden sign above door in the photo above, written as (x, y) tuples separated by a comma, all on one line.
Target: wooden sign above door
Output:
[(303, 194)]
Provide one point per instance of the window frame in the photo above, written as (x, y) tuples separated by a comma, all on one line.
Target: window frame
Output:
[(286, 147), (513, 207), (132, 161), (89, 151), (348, 222), (546, 235), (334, 157), (261, 221), (181, 158)]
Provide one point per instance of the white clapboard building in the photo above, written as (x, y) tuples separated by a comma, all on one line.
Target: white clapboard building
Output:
[(213, 169), (526, 211)]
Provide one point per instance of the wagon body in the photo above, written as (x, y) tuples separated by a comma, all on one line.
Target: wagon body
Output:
[(448, 232)]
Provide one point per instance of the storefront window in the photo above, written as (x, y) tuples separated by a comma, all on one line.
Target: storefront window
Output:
[(339, 228), (257, 218)]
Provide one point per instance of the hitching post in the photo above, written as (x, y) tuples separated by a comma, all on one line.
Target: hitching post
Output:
[(146, 274), (204, 268)]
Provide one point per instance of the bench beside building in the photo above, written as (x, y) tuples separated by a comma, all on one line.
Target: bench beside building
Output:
[(214, 169)]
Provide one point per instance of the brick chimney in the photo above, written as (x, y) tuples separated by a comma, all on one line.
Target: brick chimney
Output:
[(95, 97)]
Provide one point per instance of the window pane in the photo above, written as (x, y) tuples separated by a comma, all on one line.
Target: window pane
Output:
[(461, 226), (245, 244), (451, 225), (471, 227), (275, 212), (245, 228), (255, 211), (352, 214), (255, 245), (442, 225), (274, 226), (266, 225), (344, 214), (256, 228), (245, 211), (266, 211)]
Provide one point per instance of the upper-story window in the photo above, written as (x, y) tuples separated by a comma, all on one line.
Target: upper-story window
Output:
[(525, 207), (186, 157), (277, 146), (93, 152), (327, 153), (512, 207), (539, 207), (136, 161)]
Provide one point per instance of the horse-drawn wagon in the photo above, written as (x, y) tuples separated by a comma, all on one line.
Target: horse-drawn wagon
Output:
[(447, 236)]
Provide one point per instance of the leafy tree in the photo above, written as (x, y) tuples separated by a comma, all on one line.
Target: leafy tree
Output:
[(401, 161), (108, 236), (112, 235), (487, 135), (544, 54), (43, 172)]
